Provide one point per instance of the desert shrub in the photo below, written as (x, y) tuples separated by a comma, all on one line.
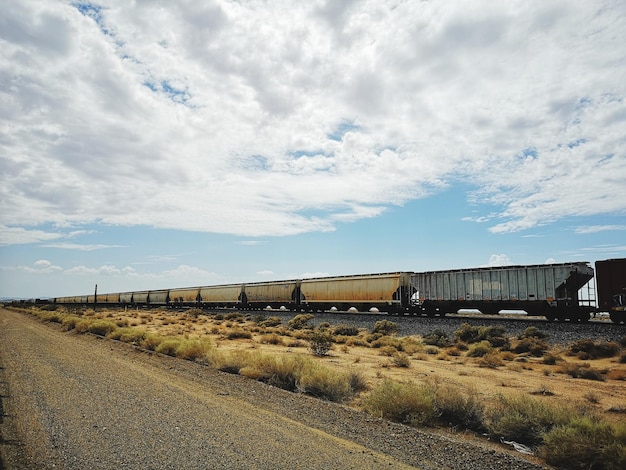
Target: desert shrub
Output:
[(52, 317), (581, 371), (128, 335), (271, 338), (283, 371), (195, 312), (152, 341), (168, 346), (456, 407), (533, 332), (194, 349), (82, 326), (400, 359), (387, 341), (492, 360), (320, 343), (70, 321), (411, 345), (476, 334), (622, 358), (387, 351), (437, 338), (300, 321), (234, 316), (271, 322), (385, 327), (346, 330), (327, 384), (101, 327), (480, 349), (239, 333), (324, 326), (586, 443), (48, 307), (121, 322), (550, 359), (231, 362), (524, 419), (587, 349), (403, 402), (356, 341), (532, 345)]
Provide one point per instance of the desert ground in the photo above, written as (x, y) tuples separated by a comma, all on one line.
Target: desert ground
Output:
[(488, 377)]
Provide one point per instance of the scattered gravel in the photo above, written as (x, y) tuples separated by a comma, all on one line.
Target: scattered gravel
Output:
[(559, 333)]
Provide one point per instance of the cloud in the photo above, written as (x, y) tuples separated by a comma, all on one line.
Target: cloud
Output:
[(265, 273), (81, 247), (499, 260), (20, 235), (268, 120), (41, 266), (598, 228)]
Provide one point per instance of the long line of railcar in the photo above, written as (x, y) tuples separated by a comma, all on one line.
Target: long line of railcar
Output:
[(551, 290)]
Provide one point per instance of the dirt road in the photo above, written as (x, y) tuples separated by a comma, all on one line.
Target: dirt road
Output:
[(78, 402)]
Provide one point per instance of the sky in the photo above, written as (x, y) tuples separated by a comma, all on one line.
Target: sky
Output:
[(155, 144)]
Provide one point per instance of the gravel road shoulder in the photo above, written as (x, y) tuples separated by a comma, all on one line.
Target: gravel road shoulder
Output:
[(74, 401)]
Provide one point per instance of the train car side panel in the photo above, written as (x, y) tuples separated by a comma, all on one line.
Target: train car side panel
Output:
[(273, 294), (221, 296), (185, 296)]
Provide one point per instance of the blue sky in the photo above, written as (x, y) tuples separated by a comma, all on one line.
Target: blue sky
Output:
[(164, 144)]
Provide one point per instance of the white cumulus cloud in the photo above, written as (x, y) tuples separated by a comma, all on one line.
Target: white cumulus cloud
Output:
[(262, 119)]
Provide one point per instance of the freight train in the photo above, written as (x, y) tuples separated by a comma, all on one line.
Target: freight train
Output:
[(555, 291)]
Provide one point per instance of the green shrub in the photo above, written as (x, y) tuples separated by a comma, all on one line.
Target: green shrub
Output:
[(532, 345), (385, 327), (403, 402), (194, 349), (456, 407), (437, 338), (152, 341), (168, 346), (101, 327), (299, 321), (533, 332), (475, 334), (480, 349), (581, 371), (525, 419), (320, 343), (587, 349), (70, 321), (129, 335), (586, 443), (346, 330)]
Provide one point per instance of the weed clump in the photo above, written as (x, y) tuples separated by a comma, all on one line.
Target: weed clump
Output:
[(476, 334), (385, 327), (300, 321), (346, 330), (524, 419), (437, 338), (585, 443), (586, 349), (403, 402)]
